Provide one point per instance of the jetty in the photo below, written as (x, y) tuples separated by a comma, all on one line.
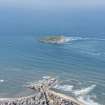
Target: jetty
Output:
[(44, 95)]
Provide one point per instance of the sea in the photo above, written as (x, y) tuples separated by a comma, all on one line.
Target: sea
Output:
[(79, 64)]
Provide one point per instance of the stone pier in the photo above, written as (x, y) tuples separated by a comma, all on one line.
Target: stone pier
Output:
[(43, 96)]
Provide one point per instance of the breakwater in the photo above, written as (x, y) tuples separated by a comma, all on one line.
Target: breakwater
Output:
[(43, 95)]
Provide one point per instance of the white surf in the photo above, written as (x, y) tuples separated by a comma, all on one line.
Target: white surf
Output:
[(1, 81), (87, 100), (64, 87), (84, 91)]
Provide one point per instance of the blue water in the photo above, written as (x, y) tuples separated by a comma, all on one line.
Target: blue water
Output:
[(79, 63)]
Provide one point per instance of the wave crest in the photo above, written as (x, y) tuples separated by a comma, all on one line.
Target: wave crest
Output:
[(87, 100), (84, 91)]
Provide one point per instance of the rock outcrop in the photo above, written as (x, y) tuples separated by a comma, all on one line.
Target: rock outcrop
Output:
[(43, 95), (54, 39)]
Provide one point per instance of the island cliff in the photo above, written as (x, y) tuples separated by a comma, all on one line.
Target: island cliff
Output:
[(43, 95)]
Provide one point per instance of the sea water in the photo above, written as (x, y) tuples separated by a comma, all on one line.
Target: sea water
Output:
[(79, 64)]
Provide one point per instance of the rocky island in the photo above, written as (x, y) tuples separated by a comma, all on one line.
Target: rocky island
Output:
[(44, 95), (54, 39)]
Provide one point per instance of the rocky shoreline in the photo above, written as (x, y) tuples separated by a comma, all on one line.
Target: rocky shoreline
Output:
[(43, 95)]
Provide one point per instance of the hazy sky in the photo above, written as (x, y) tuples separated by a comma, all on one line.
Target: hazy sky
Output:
[(52, 4)]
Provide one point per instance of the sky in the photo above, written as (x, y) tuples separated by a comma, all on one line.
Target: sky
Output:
[(53, 4)]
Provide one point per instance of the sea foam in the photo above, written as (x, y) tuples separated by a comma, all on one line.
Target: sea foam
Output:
[(75, 38), (84, 91), (64, 87), (87, 100), (46, 77), (68, 39), (83, 95), (1, 81)]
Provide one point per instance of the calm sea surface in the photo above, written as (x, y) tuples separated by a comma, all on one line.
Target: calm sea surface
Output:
[(80, 64)]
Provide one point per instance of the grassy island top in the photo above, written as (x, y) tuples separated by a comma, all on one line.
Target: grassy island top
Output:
[(53, 38)]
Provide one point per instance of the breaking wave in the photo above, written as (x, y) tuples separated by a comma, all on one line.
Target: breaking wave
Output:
[(87, 100), (84, 91), (82, 94)]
